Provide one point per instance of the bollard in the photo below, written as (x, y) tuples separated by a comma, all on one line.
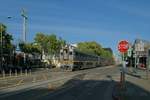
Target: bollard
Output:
[(10, 71), (3, 73), (21, 72), (122, 80), (30, 71), (34, 79), (15, 72), (50, 87), (26, 73)]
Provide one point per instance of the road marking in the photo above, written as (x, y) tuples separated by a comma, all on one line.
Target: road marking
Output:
[(21, 81), (44, 76), (13, 85), (34, 79), (50, 87)]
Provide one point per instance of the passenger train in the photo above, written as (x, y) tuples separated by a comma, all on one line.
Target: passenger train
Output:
[(73, 59)]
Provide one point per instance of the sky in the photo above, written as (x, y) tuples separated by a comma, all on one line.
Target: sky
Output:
[(104, 21)]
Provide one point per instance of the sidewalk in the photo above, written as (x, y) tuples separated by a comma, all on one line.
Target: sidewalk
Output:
[(137, 87)]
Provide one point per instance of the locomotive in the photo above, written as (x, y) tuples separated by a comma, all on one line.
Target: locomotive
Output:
[(73, 59)]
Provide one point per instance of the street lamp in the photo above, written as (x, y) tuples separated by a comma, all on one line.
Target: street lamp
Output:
[(10, 49), (23, 14), (9, 17), (1, 47)]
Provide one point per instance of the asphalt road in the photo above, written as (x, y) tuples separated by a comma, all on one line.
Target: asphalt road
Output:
[(89, 84)]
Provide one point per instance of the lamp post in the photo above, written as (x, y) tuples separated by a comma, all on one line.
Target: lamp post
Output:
[(10, 50), (1, 47), (23, 14)]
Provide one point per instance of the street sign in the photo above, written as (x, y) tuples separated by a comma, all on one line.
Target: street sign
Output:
[(129, 52), (123, 46)]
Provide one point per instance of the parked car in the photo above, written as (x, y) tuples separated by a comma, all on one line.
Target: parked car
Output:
[(142, 66)]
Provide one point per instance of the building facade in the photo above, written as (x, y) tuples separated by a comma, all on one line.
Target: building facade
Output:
[(141, 55)]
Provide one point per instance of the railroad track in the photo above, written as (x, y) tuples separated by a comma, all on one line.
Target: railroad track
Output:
[(60, 83), (75, 75)]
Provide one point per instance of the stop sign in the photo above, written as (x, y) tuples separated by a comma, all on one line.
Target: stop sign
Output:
[(123, 46)]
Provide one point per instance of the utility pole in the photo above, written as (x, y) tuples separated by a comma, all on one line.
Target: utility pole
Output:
[(1, 47), (23, 14)]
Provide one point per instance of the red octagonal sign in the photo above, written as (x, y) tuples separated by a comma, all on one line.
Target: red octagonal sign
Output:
[(123, 46)]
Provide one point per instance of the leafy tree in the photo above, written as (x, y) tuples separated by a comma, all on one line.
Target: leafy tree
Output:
[(2, 28), (6, 39), (106, 54), (60, 44), (41, 41), (29, 48), (90, 47), (50, 44), (94, 48), (6, 47)]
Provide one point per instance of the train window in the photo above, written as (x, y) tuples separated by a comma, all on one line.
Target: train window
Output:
[(76, 54), (89, 63), (70, 53), (65, 51)]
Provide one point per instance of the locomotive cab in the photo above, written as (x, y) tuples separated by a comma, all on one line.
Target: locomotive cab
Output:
[(66, 57)]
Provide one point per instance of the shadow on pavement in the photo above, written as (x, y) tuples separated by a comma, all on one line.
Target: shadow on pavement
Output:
[(130, 92), (77, 89)]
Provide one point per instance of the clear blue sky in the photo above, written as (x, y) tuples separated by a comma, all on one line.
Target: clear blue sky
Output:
[(104, 21)]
